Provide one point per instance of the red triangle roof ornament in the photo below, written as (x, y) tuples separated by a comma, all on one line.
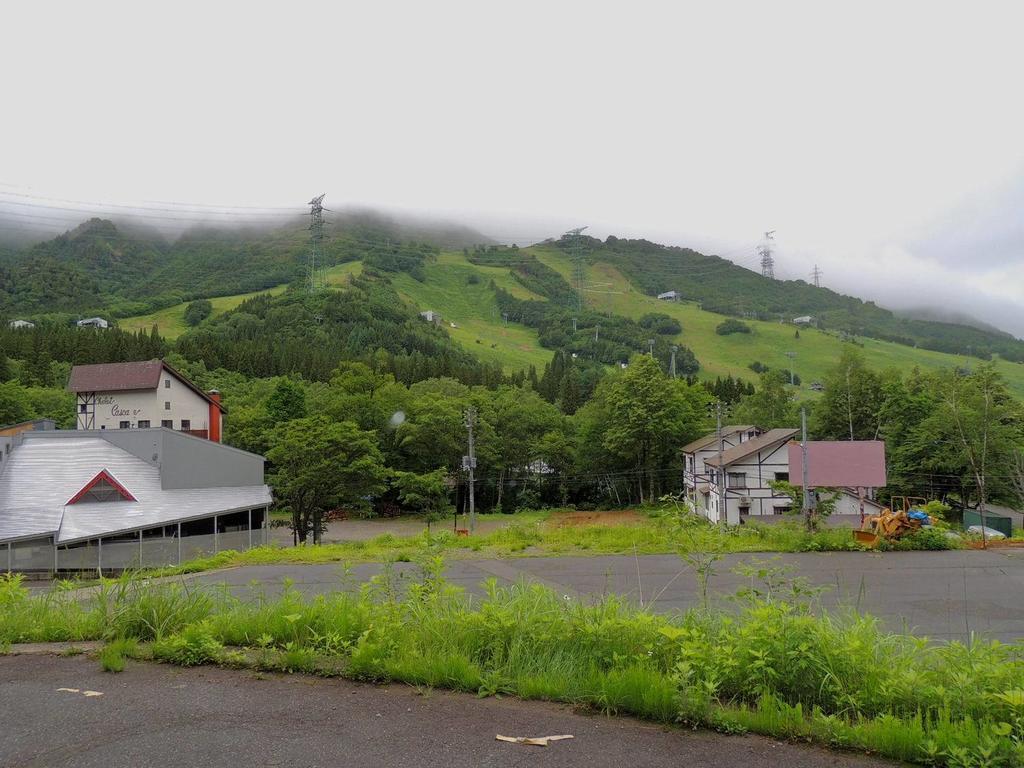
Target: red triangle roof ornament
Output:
[(102, 476)]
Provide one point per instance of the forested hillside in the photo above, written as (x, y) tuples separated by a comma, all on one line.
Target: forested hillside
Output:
[(101, 268)]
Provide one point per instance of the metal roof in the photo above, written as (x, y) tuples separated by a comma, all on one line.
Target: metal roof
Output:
[(707, 440), (42, 475), (752, 446)]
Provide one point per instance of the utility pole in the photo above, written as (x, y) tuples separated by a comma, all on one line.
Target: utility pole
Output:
[(650, 343), (816, 276), (807, 506), (723, 515), (792, 379), (597, 332), (767, 260), (316, 279), (574, 325), (577, 256), (470, 464), (672, 364)]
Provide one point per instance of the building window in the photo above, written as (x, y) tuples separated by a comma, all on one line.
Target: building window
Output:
[(167, 423), (782, 477), (737, 479), (167, 383), (167, 405), (81, 407), (186, 425), (143, 423), (124, 425)]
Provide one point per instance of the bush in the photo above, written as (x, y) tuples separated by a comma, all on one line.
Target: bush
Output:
[(197, 311), (730, 326), (473, 278), (661, 323)]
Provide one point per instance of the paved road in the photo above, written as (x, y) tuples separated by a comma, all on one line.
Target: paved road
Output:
[(944, 595), (152, 715)]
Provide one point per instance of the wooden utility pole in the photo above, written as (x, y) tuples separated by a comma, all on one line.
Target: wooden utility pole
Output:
[(471, 465)]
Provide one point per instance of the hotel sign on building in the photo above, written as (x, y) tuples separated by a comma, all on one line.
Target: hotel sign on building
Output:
[(143, 395)]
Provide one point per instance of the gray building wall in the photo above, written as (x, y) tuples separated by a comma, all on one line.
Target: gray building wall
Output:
[(190, 462)]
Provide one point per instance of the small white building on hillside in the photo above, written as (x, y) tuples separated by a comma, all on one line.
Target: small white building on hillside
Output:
[(803, 320), (669, 296), (431, 316), (92, 322), (21, 324), (142, 395)]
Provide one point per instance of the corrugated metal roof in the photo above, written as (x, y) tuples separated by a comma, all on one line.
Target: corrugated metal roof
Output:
[(743, 450), (707, 440), (41, 475)]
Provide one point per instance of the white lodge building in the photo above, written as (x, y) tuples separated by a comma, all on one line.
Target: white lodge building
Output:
[(750, 461), (143, 395)]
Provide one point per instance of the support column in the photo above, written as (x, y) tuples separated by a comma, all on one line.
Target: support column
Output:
[(266, 525), (250, 529), (140, 548), (99, 556), (55, 568), (179, 543), (9, 556), (216, 540)]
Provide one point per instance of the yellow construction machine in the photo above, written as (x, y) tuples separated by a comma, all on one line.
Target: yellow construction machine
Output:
[(893, 522)]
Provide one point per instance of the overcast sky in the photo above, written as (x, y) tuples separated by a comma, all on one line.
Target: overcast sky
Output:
[(884, 142)]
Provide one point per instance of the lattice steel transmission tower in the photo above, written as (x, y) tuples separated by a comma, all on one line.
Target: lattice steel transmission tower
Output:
[(767, 260), (316, 275), (816, 276), (577, 257)]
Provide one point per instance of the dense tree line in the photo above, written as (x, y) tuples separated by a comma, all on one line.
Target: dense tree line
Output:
[(308, 335)]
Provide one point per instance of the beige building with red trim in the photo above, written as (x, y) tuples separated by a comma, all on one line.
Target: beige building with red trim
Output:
[(144, 395)]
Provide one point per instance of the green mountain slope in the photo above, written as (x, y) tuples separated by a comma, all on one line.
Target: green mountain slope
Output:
[(721, 286), (472, 307)]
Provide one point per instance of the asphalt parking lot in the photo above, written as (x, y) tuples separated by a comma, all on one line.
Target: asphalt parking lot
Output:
[(944, 595), (156, 715)]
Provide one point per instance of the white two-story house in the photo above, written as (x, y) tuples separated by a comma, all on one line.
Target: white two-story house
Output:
[(738, 481), (143, 395), (696, 474)]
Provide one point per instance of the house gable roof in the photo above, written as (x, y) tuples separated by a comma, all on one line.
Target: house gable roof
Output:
[(102, 477), (122, 377), (750, 447), (704, 442)]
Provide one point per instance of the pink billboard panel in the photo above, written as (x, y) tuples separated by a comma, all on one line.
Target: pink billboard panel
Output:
[(839, 463)]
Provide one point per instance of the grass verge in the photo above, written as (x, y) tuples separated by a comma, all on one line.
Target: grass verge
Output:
[(530, 534), (779, 666)]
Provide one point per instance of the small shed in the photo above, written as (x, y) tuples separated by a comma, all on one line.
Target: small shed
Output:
[(92, 322), (669, 296)]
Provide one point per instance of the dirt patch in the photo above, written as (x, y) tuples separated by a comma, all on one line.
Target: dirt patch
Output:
[(582, 519)]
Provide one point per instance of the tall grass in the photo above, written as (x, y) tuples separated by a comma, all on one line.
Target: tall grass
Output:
[(778, 666), (529, 534)]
